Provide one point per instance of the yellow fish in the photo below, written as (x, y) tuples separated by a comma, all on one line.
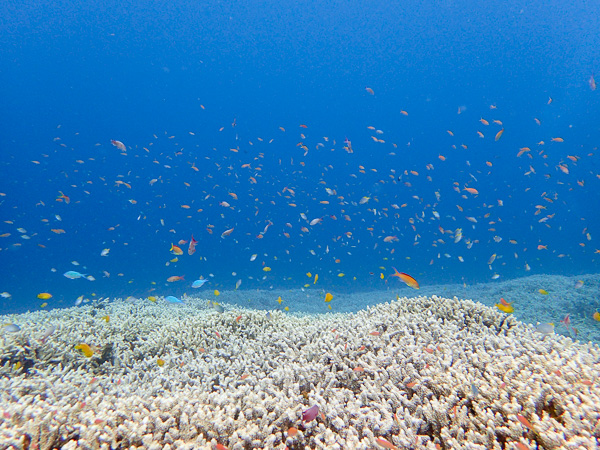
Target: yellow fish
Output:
[(266, 269), (85, 349), (160, 362), (543, 291), (43, 305), (316, 278), (596, 316), (44, 296), (505, 308), (328, 297), (105, 318), (279, 300), (287, 308), (217, 293), (152, 298), (309, 275)]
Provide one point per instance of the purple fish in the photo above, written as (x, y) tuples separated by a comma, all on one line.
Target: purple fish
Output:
[(310, 414)]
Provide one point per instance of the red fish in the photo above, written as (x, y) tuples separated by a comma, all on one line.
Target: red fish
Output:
[(192, 246), (566, 321)]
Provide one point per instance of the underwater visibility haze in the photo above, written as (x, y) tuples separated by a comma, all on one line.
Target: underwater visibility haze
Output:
[(456, 142), (300, 224)]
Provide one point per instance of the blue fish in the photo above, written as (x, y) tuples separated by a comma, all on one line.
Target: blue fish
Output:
[(199, 283), (172, 299), (72, 275)]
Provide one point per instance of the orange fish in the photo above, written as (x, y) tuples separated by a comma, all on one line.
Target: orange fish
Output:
[(524, 421), (176, 250), (62, 197), (385, 443), (410, 281), (499, 134), (471, 191), (174, 278), (557, 139), (592, 83), (370, 91)]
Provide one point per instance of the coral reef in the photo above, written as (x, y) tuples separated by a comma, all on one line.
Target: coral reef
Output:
[(424, 372)]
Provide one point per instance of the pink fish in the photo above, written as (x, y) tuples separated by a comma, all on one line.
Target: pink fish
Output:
[(566, 321), (310, 414), (192, 246)]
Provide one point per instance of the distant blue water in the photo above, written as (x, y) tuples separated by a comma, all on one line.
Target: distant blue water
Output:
[(78, 75)]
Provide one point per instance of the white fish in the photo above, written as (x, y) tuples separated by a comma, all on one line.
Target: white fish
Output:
[(545, 328), (58, 217), (492, 259), (105, 252), (5, 295), (315, 221), (75, 263), (253, 257), (495, 276), (238, 283), (364, 200), (79, 300)]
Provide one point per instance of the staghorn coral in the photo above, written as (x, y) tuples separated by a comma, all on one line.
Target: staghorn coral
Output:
[(435, 373)]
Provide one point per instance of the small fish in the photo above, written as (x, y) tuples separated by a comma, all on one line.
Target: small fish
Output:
[(253, 257), (72, 275), (266, 269), (505, 308), (328, 297), (49, 332), (579, 284), (238, 283), (44, 296), (172, 299), (269, 316), (11, 328), (192, 246), (543, 291), (85, 349), (174, 278), (152, 298), (105, 252), (596, 316), (218, 308), (119, 145), (199, 283), (410, 281), (310, 414), (176, 250), (545, 328), (105, 318), (160, 362)]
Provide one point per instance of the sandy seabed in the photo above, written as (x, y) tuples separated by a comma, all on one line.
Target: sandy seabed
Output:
[(424, 372)]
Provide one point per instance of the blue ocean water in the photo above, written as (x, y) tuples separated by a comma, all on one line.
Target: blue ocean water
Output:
[(276, 108)]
